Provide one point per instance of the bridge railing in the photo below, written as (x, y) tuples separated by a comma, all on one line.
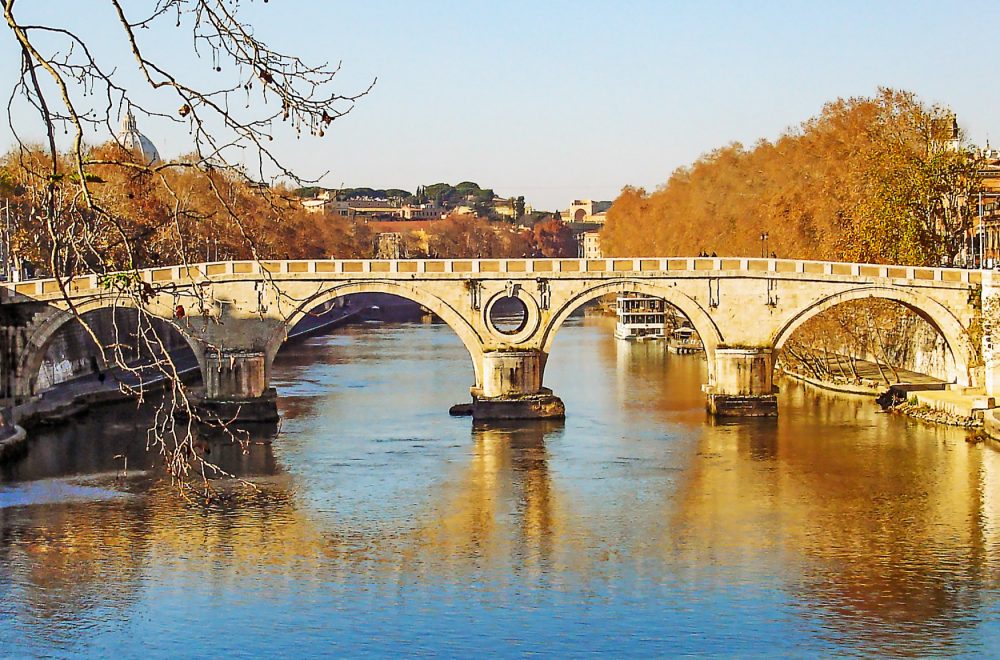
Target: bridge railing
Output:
[(723, 265)]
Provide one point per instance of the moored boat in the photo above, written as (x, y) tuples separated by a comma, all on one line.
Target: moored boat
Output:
[(684, 340), (640, 318)]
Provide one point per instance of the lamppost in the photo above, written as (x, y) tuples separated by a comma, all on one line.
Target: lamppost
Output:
[(763, 245)]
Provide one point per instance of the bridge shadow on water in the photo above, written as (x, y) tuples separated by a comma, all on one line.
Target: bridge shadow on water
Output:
[(113, 439)]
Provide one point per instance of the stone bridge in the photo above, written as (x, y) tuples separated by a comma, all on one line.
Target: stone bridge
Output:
[(235, 315)]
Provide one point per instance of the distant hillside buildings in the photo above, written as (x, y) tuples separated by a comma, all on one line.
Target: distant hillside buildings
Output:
[(586, 211), (589, 245), (585, 217), (408, 208), (382, 209)]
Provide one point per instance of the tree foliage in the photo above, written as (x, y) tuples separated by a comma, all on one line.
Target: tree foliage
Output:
[(552, 238), (877, 179), (469, 236), (465, 192)]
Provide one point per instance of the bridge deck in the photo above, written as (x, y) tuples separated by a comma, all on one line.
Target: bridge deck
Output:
[(646, 266)]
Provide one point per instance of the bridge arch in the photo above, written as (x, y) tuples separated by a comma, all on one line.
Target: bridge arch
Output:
[(941, 318), (41, 337), (454, 319), (702, 322)]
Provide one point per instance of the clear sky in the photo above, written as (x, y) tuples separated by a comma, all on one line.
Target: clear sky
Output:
[(558, 100)]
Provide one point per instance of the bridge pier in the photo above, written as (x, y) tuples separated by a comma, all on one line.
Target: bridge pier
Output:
[(236, 387), (512, 388), (743, 383)]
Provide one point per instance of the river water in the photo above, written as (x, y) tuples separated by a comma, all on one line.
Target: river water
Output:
[(638, 526)]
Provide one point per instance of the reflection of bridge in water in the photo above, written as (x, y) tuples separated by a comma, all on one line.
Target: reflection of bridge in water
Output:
[(873, 553), (236, 315)]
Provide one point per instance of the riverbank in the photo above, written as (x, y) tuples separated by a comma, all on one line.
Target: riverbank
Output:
[(921, 397), (843, 387)]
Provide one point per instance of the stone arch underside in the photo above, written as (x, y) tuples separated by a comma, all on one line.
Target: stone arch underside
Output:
[(702, 322), (941, 318), (40, 339), (452, 317)]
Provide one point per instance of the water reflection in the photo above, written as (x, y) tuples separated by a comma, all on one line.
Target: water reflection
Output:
[(637, 525), (502, 510), (114, 440), (881, 530)]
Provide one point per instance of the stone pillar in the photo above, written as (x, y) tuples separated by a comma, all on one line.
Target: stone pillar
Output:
[(743, 386), (512, 388), (236, 387)]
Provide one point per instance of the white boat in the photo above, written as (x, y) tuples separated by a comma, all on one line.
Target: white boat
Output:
[(640, 317), (684, 340)]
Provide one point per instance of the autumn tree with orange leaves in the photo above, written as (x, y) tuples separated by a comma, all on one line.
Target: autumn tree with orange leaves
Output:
[(552, 238), (880, 179)]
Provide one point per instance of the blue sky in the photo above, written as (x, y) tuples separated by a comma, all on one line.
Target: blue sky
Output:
[(560, 100)]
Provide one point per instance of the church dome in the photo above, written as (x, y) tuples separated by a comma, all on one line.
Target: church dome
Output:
[(130, 138)]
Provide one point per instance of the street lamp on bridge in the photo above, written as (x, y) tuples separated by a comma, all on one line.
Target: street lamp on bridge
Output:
[(763, 245)]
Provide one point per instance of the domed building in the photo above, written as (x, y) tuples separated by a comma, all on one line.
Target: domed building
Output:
[(130, 138)]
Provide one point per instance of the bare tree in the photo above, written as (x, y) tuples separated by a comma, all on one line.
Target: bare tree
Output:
[(267, 94)]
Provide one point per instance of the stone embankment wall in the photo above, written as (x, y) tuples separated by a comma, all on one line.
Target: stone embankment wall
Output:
[(922, 349), (72, 352), (908, 343)]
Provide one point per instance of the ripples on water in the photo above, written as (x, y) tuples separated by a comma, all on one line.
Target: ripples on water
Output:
[(637, 526)]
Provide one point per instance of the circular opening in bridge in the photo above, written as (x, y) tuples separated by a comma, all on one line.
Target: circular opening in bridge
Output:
[(509, 315)]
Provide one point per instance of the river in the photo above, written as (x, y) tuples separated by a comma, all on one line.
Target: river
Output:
[(380, 524)]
